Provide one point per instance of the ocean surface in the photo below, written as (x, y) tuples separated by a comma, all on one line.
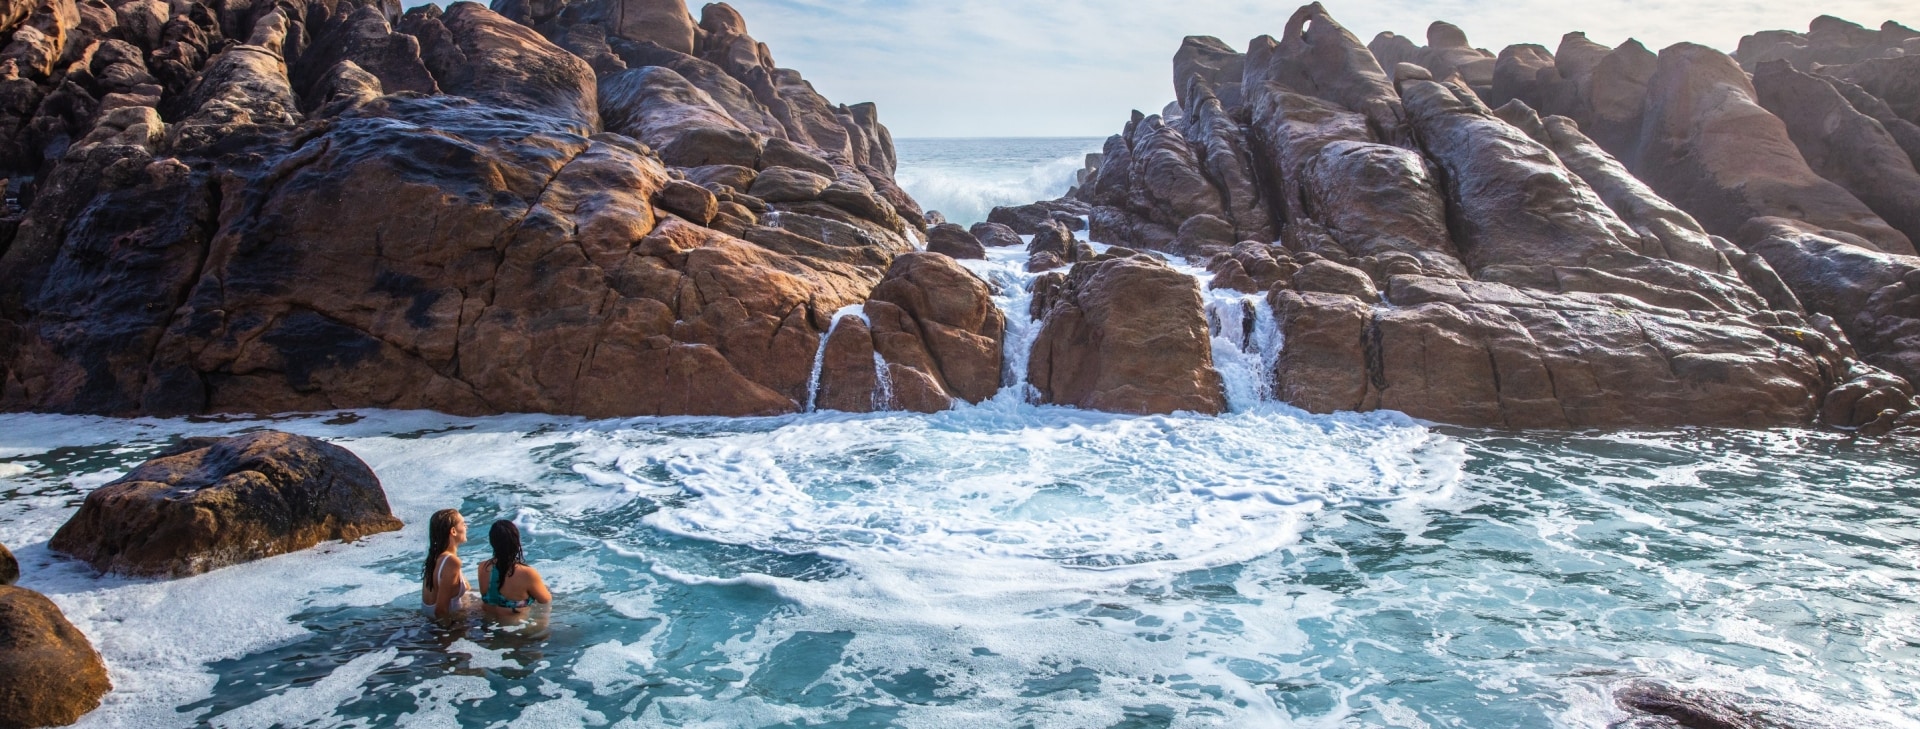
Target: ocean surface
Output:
[(1012, 565), (965, 178)]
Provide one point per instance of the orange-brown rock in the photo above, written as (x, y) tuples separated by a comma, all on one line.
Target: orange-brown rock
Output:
[(9, 567), (301, 236), (210, 503), (53, 676), (934, 325), (1126, 335)]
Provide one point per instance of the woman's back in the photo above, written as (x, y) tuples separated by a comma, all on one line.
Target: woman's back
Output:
[(514, 591), (509, 587)]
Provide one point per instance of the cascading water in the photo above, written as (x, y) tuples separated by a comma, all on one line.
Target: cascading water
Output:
[(820, 353), (1008, 564)]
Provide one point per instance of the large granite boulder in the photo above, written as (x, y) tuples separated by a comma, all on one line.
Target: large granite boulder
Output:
[(53, 676), (954, 241), (210, 503), (937, 334), (1476, 353), (1126, 335)]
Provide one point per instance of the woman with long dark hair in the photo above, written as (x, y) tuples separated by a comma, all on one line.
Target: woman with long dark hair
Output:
[(441, 583), (511, 587)]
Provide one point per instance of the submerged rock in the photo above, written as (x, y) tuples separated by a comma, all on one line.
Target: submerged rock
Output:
[(1659, 704), (210, 503)]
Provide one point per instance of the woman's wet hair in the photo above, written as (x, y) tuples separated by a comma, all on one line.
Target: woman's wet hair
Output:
[(505, 538), (439, 541)]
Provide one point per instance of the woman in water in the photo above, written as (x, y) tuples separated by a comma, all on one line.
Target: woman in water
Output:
[(441, 583), (511, 587)]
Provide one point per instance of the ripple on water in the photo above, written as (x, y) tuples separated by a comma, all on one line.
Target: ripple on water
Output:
[(1011, 565)]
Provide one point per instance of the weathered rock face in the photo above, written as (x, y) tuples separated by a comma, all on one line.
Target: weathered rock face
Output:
[(53, 675), (210, 503), (1126, 335), (1874, 297), (1560, 262), (552, 208), (1712, 149), (1843, 145), (938, 336)]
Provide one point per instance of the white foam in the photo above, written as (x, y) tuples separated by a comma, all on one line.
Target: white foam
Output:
[(437, 701), (297, 706), (965, 196)]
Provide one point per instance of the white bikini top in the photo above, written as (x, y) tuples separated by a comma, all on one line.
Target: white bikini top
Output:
[(437, 568)]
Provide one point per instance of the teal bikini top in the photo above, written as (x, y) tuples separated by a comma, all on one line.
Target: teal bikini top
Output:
[(493, 597)]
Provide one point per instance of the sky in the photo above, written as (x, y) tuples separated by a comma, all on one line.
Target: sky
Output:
[(1040, 68)]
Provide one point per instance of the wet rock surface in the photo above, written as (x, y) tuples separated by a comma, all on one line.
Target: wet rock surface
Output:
[(614, 208), (53, 675), (1126, 335), (597, 207), (209, 503), (1594, 252)]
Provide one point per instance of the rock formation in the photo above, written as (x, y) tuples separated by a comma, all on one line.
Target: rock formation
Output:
[(937, 335), (9, 567), (210, 503), (1126, 335), (53, 676), (1567, 260), (598, 207), (613, 208)]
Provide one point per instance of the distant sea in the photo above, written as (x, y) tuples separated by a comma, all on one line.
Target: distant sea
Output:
[(965, 178)]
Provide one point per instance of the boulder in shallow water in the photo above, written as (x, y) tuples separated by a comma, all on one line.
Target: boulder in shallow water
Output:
[(1127, 335), (9, 567), (954, 241), (994, 234), (207, 504), (52, 674)]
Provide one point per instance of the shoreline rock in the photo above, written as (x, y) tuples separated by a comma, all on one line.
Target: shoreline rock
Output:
[(210, 503), (53, 675)]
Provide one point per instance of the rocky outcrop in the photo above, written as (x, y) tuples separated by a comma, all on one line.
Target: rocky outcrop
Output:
[(210, 503), (1843, 145), (53, 675), (1561, 262), (9, 567), (1446, 55), (551, 208), (1873, 296), (1712, 149), (937, 335), (994, 234), (1126, 335)]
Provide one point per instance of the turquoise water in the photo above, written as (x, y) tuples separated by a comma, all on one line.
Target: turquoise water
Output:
[(1010, 565), (1017, 566), (965, 178)]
